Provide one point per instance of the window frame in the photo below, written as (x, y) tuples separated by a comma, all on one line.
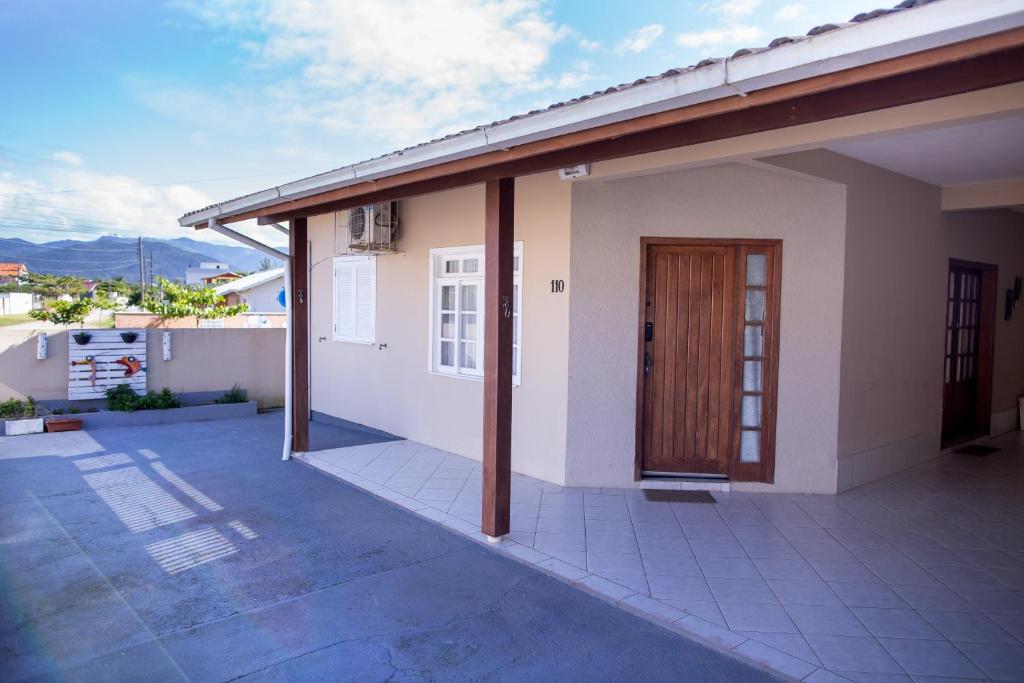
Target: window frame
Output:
[(354, 258), (437, 276)]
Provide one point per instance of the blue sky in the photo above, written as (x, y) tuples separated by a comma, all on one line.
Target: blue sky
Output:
[(121, 115)]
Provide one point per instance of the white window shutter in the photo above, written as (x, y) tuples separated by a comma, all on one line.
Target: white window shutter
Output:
[(364, 299), (354, 299)]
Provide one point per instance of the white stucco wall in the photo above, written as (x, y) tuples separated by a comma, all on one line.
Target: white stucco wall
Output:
[(898, 246), (391, 389), (726, 201)]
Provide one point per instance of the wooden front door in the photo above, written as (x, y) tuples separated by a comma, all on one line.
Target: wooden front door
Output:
[(707, 357), (967, 371)]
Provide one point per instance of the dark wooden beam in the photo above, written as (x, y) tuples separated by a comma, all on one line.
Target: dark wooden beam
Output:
[(498, 302), (299, 251), (901, 81)]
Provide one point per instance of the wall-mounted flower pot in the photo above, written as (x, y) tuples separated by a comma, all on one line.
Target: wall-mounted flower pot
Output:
[(63, 424), (82, 338), (129, 337), (31, 425)]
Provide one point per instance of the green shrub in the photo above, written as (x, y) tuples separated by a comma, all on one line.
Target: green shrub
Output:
[(158, 401), (13, 408), (123, 398), (235, 394)]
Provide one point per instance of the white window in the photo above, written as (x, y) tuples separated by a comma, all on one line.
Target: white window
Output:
[(355, 298), (457, 311)]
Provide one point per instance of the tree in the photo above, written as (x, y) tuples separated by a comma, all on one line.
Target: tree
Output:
[(115, 286), (178, 301), (64, 312), (266, 264), (53, 286), (103, 302)]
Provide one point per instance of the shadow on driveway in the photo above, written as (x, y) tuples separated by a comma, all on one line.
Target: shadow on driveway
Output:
[(191, 551)]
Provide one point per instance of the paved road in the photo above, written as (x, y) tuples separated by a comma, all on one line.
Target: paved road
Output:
[(307, 578)]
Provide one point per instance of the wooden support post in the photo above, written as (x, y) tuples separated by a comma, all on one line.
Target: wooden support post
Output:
[(498, 301), (299, 251)]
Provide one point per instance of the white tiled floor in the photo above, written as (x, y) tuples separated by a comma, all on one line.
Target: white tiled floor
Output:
[(919, 576)]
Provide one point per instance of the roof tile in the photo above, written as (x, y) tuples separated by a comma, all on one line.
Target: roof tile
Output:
[(709, 61)]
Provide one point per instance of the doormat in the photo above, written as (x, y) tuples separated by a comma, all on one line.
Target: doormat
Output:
[(976, 450), (673, 496)]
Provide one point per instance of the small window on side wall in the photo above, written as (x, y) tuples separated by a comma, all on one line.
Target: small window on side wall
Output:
[(355, 299)]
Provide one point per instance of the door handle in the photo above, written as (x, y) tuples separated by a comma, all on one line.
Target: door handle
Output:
[(648, 331)]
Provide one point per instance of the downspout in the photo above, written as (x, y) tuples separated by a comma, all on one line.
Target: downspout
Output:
[(286, 448)]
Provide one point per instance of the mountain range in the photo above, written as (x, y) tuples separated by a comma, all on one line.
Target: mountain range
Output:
[(109, 257)]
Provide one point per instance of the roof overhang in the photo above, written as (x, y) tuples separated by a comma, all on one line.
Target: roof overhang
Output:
[(936, 40)]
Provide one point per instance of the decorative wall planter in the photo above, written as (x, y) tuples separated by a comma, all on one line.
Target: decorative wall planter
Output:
[(31, 425), (63, 424), (129, 337), (82, 338)]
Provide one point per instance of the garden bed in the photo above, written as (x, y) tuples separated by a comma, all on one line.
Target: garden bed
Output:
[(116, 418)]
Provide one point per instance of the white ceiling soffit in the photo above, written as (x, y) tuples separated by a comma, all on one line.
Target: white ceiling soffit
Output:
[(894, 35), (967, 153)]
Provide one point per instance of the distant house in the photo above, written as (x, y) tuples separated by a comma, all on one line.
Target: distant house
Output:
[(15, 303), (262, 291), (209, 272), (12, 273)]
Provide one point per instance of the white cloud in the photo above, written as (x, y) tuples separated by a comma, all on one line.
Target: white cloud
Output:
[(640, 39), (714, 38), (76, 203), (575, 78), (589, 45), (69, 158), (400, 68), (732, 9), (791, 12)]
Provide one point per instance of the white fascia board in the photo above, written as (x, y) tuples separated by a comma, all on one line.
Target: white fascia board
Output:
[(894, 35), (855, 45)]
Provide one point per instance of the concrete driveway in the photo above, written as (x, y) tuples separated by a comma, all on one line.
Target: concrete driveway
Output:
[(191, 552)]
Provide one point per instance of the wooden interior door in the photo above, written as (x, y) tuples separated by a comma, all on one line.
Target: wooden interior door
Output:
[(967, 371), (689, 358)]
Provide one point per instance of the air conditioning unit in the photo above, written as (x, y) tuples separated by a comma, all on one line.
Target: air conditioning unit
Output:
[(371, 229)]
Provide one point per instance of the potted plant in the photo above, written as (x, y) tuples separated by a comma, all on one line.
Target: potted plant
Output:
[(129, 337), (63, 424), (67, 313), (20, 417)]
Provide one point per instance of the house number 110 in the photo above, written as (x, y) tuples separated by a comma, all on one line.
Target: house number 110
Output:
[(557, 286)]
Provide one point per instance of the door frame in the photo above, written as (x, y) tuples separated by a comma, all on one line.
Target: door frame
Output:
[(764, 471), (986, 346)]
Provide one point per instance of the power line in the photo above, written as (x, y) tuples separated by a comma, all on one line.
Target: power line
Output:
[(56, 212), (45, 246), (165, 184)]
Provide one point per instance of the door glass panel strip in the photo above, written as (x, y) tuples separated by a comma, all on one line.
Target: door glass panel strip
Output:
[(750, 446)]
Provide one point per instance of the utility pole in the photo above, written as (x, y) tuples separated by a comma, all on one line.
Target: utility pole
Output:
[(150, 269), (142, 273)]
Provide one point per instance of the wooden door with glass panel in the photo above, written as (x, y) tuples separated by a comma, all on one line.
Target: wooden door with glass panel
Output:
[(708, 358), (967, 371)]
